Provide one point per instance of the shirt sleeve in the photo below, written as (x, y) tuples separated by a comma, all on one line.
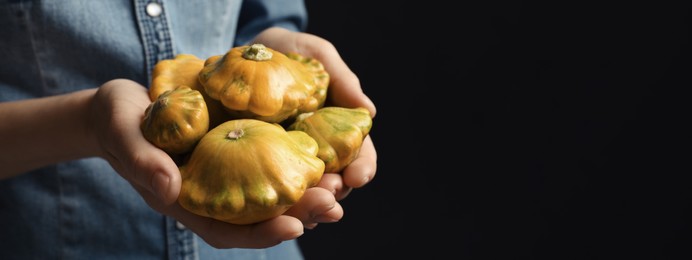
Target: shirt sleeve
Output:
[(258, 15)]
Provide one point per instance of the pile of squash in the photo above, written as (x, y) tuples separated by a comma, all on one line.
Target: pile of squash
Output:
[(249, 130)]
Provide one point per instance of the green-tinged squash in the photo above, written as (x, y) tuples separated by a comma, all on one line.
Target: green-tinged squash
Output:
[(246, 171), (339, 133), (176, 120)]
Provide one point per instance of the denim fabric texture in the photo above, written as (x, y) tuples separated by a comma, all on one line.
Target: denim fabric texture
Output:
[(83, 209)]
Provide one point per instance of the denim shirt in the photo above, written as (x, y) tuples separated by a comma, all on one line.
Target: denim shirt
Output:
[(83, 209)]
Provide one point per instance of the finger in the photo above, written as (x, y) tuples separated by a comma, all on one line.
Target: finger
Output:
[(133, 156), (155, 171), (317, 205), (333, 182), (327, 217), (220, 234), (344, 86), (345, 90), (363, 168)]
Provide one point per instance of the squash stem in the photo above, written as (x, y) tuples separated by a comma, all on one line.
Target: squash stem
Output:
[(235, 134), (257, 52)]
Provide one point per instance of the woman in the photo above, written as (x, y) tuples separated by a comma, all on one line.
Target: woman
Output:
[(79, 180)]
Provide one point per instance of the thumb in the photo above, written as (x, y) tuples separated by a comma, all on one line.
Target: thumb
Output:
[(344, 87), (117, 112), (154, 171), (149, 169)]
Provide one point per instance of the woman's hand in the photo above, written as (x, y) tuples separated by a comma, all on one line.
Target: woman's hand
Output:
[(115, 114), (344, 91)]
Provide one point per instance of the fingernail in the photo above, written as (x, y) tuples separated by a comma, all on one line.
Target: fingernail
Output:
[(366, 180), (325, 219)]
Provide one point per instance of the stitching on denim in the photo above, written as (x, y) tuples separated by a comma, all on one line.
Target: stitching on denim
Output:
[(155, 34)]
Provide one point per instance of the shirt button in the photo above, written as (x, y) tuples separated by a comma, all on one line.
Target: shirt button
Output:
[(179, 225), (154, 9)]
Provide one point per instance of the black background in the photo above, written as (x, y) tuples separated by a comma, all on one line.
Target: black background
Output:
[(517, 130)]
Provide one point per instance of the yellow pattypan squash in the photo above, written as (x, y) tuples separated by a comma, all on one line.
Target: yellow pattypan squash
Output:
[(176, 120), (246, 171), (321, 78), (339, 133), (183, 70), (260, 83)]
